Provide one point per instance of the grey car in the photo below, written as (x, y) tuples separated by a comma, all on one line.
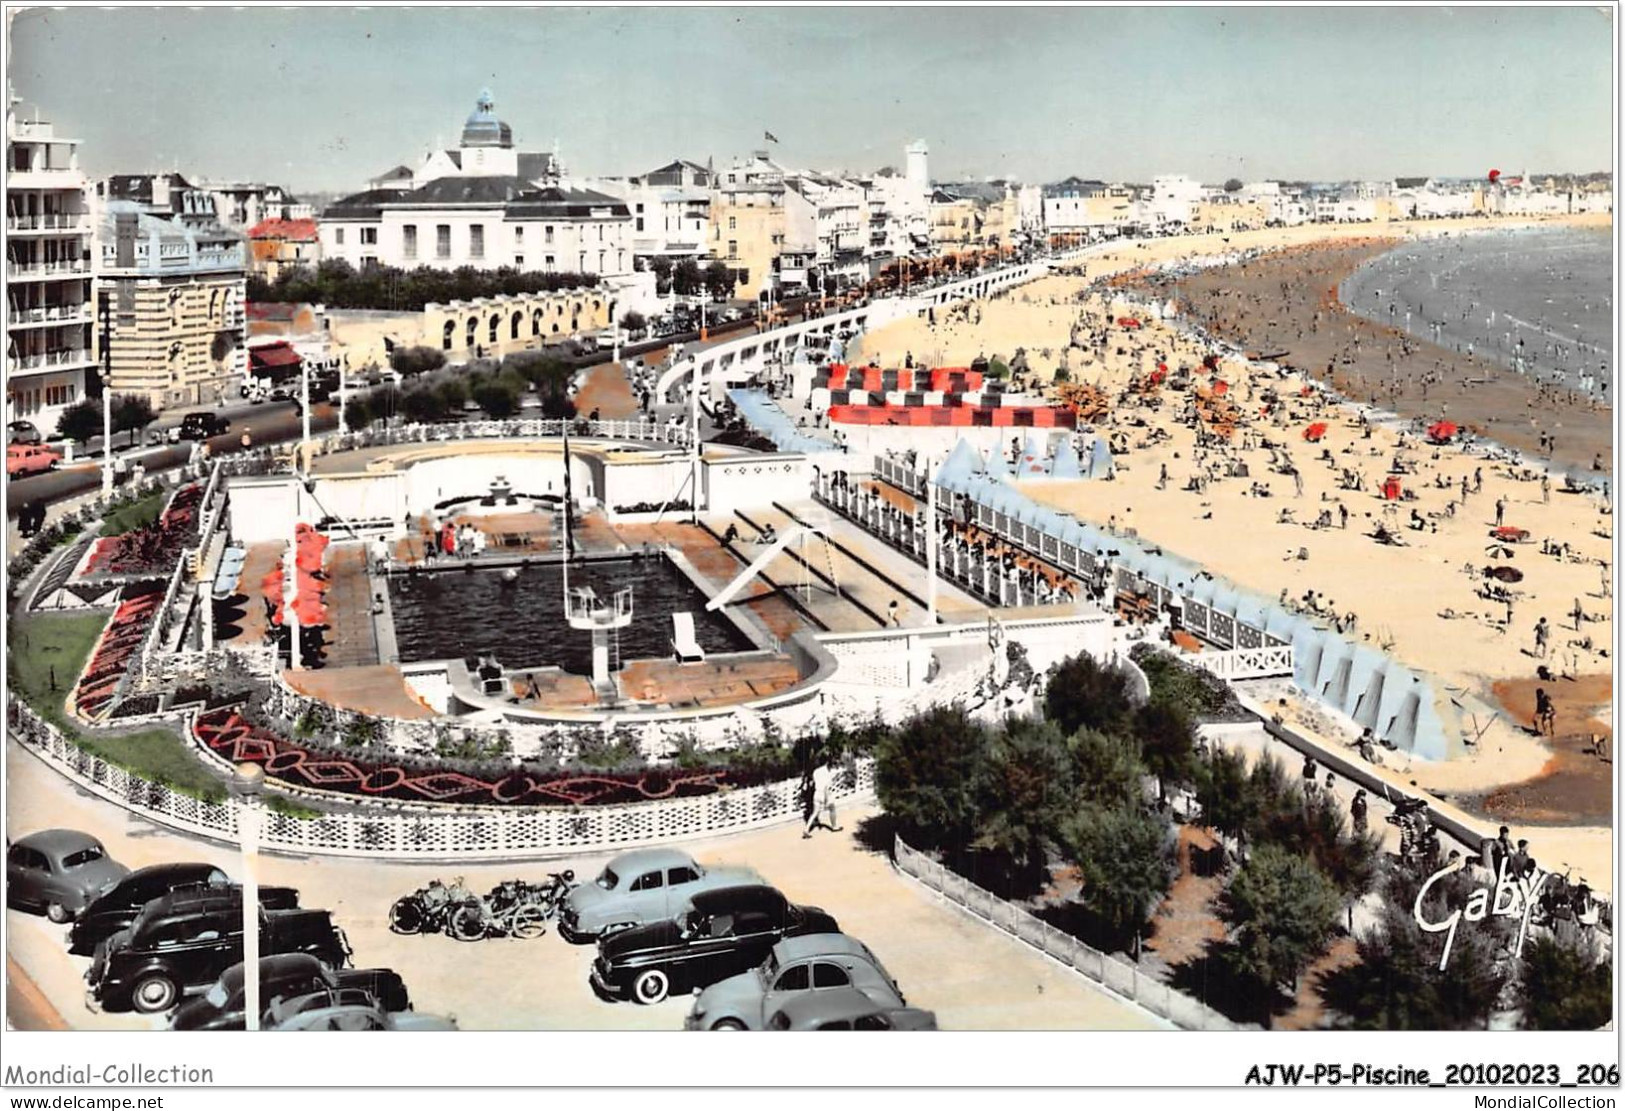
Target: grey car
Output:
[(847, 1009), (814, 964), (60, 872), (346, 1009), (639, 887)]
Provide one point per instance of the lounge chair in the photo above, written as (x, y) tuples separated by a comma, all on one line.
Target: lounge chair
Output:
[(683, 642)]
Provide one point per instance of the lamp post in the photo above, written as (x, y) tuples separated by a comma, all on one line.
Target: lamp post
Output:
[(106, 343), (247, 783)]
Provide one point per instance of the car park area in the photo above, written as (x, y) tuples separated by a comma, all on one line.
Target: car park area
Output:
[(969, 974)]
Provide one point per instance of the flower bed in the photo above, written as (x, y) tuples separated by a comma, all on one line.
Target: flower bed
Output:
[(119, 644), (300, 764), (154, 548)]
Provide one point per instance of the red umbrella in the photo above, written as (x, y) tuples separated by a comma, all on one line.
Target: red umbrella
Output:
[(309, 559), (1220, 388), (1314, 432), (310, 611), (1442, 432), (1494, 176)]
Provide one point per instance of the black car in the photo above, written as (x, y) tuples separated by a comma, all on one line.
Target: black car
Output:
[(286, 976), (200, 426), (119, 907), (183, 941), (724, 932)]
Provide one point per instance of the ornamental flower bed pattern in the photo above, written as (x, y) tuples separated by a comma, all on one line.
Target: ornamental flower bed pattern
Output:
[(299, 765), (120, 643), (153, 549)]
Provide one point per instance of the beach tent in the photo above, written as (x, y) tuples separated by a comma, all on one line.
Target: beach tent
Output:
[(996, 466), (1101, 463), (1065, 462), (962, 463)]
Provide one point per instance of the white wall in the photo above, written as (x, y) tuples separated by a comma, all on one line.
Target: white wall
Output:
[(753, 480)]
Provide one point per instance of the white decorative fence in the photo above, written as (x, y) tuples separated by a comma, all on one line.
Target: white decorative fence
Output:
[(1101, 968), (397, 834), (1273, 662)]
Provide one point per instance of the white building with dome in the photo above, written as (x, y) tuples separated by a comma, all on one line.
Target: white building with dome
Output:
[(484, 204)]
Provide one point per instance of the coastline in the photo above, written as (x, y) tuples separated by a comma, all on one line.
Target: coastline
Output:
[(1285, 305)]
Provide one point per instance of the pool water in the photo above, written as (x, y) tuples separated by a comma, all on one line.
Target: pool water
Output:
[(456, 614)]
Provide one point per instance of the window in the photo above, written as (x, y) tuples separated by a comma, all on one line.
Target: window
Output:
[(476, 241), (675, 876), (733, 223), (519, 260), (548, 260), (640, 209), (24, 857), (409, 241), (549, 232), (838, 1024), (649, 881), (446, 336), (442, 241), (369, 237), (600, 262), (870, 1022), (88, 855), (640, 223), (600, 233), (719, 926), (753, 922), (826, 975), (519, 233), (338, 236), (793, 979), (733, 248)]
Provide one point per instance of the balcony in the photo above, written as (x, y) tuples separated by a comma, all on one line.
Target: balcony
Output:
[(22, 271), (50, 222), (50, 360), (53, 314)]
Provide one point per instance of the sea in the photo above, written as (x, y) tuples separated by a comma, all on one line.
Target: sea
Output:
[(1538, 301)]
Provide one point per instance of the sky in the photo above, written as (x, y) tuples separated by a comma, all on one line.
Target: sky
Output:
[(323, 98)]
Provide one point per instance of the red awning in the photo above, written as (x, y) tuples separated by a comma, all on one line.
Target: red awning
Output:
[(273, 355)]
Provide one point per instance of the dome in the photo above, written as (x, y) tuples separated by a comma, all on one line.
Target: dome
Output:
[(483, 129)]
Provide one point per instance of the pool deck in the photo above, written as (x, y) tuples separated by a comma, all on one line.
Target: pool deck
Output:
[(379, 690)]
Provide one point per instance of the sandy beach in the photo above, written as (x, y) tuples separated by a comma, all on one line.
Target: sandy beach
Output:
[(1425, 598)]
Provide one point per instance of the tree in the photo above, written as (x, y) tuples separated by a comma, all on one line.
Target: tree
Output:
[(1398, 985), (1082, 693), (661, 265), (1233, 185), (357, 413), (927, 776), (1221, 792), (1280, 910), (1028, 791), (719, 281), (686, 279), (1167, 743), (411, 361), (1566, 985), (1127, 858), (453, 395), (132, 412), (80, 422), (634, 322), (1107, 768), (498, 399), (420, 406)]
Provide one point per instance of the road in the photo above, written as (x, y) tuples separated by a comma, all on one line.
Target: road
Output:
[(972, 975), (269, 423)]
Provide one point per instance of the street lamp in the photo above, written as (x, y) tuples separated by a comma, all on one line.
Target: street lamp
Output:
[(248, 781)]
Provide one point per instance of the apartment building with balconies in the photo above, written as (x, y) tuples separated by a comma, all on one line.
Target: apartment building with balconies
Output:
[(50, 325)]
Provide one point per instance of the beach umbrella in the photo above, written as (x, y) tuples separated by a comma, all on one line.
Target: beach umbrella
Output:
[(1315, 432), (1495, 175), (271, 584), (1220, 387), (310, 611), (1442, 432)]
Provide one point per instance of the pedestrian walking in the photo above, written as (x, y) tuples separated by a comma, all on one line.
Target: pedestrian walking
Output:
[(1500, 511), (823, 800), (1357, 812), (1545, 488), (1543, 634), (1545, 713)]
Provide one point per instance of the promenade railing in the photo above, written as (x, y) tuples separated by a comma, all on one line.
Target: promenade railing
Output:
[(385, 831), (1111, 972)]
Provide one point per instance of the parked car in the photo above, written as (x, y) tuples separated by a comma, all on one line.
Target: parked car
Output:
[(59, 872), (346, 1009), (647, 885), (847, 1009), (160, 436), (200, 426), (23, 432), (814, 963), (726, 931), (182, 943), (118, 907), (23, 460), (285, 976)]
